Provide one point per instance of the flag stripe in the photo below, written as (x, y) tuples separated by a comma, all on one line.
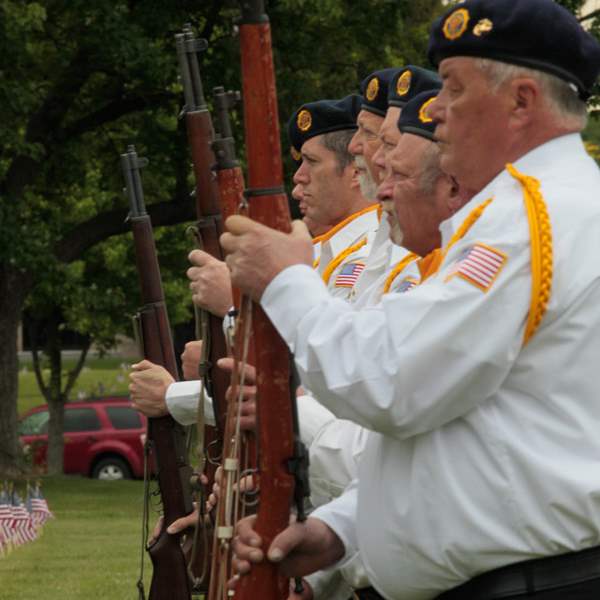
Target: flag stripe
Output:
[(480, 265)]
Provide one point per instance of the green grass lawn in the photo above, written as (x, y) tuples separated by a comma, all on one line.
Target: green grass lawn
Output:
[(99, 377), (90, 550)]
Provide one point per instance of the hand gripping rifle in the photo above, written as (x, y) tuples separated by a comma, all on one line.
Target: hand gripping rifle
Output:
[(214, 193), (166, 437), (282, 466), (210, 224)]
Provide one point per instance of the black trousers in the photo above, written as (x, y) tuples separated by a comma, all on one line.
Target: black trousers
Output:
[(572, 576)]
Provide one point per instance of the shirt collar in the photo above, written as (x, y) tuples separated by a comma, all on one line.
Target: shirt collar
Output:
[(531, 163)]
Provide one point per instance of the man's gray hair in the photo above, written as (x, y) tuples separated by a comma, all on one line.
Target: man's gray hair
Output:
[(562, 98), (338, 142)]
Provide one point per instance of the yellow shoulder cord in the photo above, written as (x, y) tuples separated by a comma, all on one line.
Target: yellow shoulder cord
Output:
[(435, 261), (329, 234), (400, 266), (335, 263), (472, 217), (315, 241), (342, 224), (540, 236)]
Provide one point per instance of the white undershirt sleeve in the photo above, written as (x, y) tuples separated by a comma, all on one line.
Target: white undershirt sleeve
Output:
[(182, 399)]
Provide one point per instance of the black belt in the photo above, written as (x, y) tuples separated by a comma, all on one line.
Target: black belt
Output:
[(531, 576), (527, 577), (367, 594)]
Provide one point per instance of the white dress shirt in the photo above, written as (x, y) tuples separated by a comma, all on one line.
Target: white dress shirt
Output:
[(335, 244), (182, 400), (483, 451), (378, 262)]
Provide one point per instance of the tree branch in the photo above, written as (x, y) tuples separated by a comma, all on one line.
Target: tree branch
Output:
[(592, 15), (113, 222), (45, 121), (113, 111), (74, 373), (211, 19), (36, 360)]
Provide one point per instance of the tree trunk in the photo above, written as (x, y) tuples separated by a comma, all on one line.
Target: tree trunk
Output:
[(12, 293), (56, 399)]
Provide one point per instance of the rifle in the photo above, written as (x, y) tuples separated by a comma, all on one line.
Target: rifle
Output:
[(166, 438), (282, 459), (210, 223), (239, 455), (210, 198)]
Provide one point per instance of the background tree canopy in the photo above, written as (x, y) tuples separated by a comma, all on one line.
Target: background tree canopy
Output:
[(79, 81)]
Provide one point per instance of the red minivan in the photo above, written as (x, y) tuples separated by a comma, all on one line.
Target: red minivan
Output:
[(103, 438)]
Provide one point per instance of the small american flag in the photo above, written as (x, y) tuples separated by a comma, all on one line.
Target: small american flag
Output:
[(407, 284), (479, 264), (349, 274), (5, 523), (23, 531), (40, 512)]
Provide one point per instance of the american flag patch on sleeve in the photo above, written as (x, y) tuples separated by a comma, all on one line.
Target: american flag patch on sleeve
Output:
[(406, 285), (349, 274), (479, 264)]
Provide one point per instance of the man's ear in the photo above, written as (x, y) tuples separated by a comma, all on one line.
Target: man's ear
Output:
[(524, 96), (456, 198), (351, 174)]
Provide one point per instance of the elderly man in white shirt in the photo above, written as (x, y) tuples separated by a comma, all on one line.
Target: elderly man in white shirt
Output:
[(479, 385)]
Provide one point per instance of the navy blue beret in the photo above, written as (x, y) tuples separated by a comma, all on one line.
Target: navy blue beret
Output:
[(414, 117), (322, 116), (410, 81), (374, 89), (539, 34)]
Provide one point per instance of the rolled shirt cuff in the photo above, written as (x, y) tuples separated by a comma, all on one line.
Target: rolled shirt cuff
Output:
[(340, 516), (182, 399)]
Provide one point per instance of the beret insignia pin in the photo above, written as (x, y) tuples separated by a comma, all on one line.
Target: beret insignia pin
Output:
[(403, 84), (483, 26), (304, 120), (297, 156), (372, 89), (456, 24), (424, 111)]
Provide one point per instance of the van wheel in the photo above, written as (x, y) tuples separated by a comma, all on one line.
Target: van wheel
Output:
[(111, 469)]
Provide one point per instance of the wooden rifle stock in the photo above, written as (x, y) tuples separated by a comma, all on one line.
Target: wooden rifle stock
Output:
[(165, 436), (268, 204), (210, 223)]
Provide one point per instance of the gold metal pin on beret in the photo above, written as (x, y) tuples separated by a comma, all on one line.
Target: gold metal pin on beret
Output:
[(304, 120), (372, 89), (483, 26), (424, 111), (403, 84), (456, 24)]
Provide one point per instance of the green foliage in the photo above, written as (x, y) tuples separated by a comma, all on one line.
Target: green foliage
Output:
[(82, 80)]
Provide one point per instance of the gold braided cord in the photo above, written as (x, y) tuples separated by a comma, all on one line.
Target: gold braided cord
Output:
[(430, 264), (400, 266), (542, 259), (329, 234), (460, 233), (335, 263)]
